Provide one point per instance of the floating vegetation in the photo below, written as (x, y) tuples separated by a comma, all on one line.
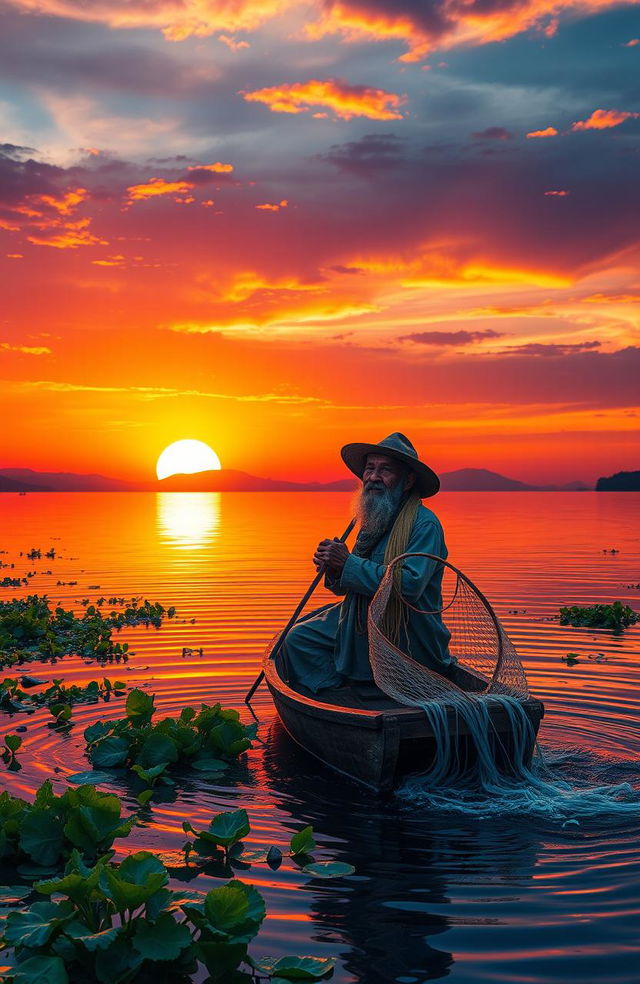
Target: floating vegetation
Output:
[(222, 842), (46, 831), (11, 745), (206, 740), (616, 616), (30, 631), (116, 923), (13, 582), (13, 699)]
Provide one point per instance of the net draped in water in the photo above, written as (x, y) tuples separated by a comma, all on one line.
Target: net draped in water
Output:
[(486, 681)]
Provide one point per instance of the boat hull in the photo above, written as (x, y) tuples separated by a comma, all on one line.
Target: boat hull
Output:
[(377, 746)]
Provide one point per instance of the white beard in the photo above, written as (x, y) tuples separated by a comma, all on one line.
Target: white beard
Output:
[(376, 511)]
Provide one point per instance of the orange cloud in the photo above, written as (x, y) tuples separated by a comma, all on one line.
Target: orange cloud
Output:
[(268, 207), (177, 19), (549, 132), (444, 24), (25, 349), (71, 235), (604, 119), (217, 168), (232, 43), (34, 216), (346, 101), (632, 43), (558, 194), (158, 186)]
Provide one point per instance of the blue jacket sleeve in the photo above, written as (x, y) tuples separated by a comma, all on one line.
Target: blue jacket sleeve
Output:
[(332, 582), (363, 576)]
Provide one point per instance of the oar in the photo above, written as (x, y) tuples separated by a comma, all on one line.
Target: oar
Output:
[(278, 646)]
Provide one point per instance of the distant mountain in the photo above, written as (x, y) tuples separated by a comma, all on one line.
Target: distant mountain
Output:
[(230, 480), (224, 480), (480, 480), (14, 485), (620, 482), (64, 481)]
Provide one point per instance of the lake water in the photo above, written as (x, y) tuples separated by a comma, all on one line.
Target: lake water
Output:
[(543, 896)]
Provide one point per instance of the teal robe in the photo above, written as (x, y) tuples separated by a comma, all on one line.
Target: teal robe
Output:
[(329, 646)]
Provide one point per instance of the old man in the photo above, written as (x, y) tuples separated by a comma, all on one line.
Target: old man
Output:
[(330, 647)]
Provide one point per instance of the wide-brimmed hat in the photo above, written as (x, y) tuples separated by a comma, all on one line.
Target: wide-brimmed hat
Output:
[(395, 446)]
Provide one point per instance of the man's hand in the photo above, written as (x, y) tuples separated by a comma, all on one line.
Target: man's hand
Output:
[(331, 554)]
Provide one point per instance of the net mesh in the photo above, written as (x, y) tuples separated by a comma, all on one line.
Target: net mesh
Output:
[(485, 659), (486, 676)]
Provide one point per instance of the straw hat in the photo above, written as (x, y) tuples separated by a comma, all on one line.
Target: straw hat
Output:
[(395, 446)]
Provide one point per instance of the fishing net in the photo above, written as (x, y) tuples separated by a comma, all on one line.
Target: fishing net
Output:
[(485, 682)]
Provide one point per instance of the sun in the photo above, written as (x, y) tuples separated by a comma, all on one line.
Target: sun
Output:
[(185, 458)]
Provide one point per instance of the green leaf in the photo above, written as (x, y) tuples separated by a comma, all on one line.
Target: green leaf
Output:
[(164, 940), (303, 842), (109, 752), (228, 828), (139, 706), (156, 749), (235, 910), (36, 925), (40, 970), (61, 712), (295, 968), (118, 963), (209, 765), (10, 894), (328, 869), (92, 777), (42, 836), (135, 881), (96, 731), (144, 797), (148, 775), (13, 742), (92, 941), (221, 959)]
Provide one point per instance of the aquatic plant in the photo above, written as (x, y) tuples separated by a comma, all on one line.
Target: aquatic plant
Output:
[(30, 631), (117, 923), (13, 699), (222, 842), (11, 745), (206, 739), (615, 616), (47, 830)]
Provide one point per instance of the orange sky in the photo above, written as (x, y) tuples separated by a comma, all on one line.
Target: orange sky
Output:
[(286, 226)]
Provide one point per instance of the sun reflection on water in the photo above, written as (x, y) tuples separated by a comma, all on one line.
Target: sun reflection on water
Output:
[(188, 520)]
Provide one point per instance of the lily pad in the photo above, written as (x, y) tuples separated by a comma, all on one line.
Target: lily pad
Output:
[(328, 869), (89, 778)]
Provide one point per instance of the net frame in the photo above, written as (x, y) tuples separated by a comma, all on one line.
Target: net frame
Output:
[(506, 677)]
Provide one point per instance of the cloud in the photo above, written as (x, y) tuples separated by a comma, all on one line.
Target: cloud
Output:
[(365, 157), (550, 131), (345, 100), (493, 133), (453, 338), (604, 119), (557, 194), (177, 19), (25, 349), (549, 349), (158, 186), (271, 207), (441, 24)]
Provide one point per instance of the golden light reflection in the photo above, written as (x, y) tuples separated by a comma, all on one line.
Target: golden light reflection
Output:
[(188, 520)]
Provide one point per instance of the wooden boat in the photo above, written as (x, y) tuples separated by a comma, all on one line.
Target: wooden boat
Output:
[(361, 733)]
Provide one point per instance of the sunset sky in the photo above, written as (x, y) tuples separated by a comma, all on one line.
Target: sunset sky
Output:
[(277, 226)]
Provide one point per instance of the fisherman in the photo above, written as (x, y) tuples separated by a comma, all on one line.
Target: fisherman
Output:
[(330, 647)]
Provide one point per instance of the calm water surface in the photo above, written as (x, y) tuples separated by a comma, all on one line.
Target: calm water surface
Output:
[(524, 897)]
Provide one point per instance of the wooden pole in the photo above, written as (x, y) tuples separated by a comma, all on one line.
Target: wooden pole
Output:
[(278, 646)]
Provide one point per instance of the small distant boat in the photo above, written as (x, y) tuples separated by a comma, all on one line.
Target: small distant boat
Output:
[(362, 733)]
